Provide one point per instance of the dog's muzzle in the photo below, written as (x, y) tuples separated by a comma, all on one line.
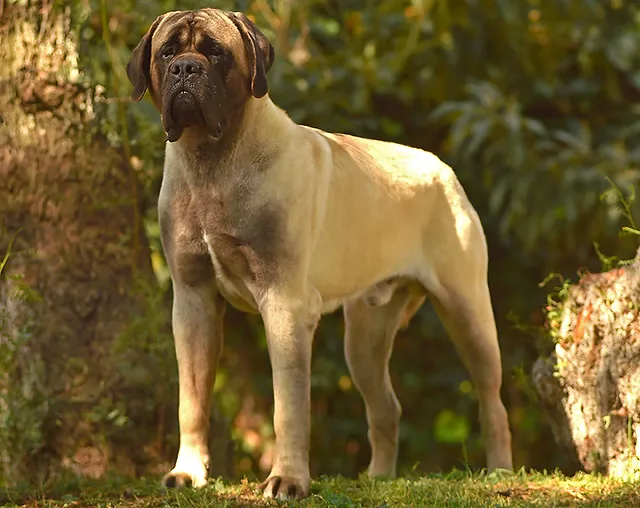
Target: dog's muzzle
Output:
[(181, 105)]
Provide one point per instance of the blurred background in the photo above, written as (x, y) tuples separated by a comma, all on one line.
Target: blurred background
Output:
[(536, 106)]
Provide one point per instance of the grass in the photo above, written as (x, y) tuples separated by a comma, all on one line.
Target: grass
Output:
[(456, 489)]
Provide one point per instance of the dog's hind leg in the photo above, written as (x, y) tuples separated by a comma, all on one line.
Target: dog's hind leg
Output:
[(470, 324), (458, 289), (370, 332)]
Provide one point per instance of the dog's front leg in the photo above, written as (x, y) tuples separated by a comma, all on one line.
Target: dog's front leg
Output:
[(197, 328), (290, 322)]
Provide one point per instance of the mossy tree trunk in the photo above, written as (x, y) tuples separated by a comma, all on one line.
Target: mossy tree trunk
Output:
[(86, 362), (590, 384)]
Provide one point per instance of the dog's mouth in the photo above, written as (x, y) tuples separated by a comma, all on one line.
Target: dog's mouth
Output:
[(183, 109)]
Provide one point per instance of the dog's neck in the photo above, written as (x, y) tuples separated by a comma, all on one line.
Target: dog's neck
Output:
[(244, 142)]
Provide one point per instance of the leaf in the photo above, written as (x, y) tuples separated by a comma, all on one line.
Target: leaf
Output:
[(622, 50), (535, 126), (479, 134), (571, 140), (498, 194), (447, 110), (450, 427)]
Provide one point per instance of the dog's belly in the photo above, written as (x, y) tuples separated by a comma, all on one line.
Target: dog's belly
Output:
[(377, 294), (359, 258)]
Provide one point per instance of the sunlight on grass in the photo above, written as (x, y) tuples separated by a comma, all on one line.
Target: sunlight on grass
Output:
[(452, 489)]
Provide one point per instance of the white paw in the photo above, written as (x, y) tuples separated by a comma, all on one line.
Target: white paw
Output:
[(191, 470)]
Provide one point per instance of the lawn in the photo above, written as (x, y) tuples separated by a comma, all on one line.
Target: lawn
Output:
[(450, 490)]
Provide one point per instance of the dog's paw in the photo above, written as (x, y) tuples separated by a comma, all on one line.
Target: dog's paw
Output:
[(284, 487), (176, 479), (191, 470)]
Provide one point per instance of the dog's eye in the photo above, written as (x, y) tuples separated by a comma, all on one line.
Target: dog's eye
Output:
[(215, 51), (168, 53), (210, 48)]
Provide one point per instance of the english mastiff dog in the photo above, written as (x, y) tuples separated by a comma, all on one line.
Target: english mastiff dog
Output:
[(292, 222)]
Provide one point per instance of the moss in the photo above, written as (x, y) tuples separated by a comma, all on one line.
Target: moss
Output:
[(588, 385)]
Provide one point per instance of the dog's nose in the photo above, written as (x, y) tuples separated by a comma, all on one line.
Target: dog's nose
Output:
[(185, 67)]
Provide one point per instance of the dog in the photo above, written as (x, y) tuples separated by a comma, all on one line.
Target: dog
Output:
[(291, 222)]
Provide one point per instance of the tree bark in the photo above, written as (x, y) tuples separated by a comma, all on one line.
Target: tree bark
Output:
[(78, 389), (590, 384)]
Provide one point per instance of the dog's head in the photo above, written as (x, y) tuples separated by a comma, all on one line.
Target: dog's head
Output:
[(200, 67)]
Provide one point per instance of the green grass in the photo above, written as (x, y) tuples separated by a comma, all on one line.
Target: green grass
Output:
[(450, 490)]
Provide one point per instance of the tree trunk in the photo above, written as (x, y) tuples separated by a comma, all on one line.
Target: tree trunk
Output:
[(590, 384), (79, 376)]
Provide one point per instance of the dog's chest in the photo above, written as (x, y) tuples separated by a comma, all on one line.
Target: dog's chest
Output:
[(242, 236)]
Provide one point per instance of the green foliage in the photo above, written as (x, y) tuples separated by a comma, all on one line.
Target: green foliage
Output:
[(23, 395), (624, 204), (148, 336), (557, 297), (555, 301), (450, 427)]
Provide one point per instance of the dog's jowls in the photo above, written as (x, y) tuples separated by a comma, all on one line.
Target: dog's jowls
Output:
[(290, 221)]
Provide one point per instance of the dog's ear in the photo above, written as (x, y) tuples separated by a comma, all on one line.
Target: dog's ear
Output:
[(139, 66), (259, 50)]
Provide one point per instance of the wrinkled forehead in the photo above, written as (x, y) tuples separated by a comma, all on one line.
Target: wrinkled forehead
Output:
[(188, 28)]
